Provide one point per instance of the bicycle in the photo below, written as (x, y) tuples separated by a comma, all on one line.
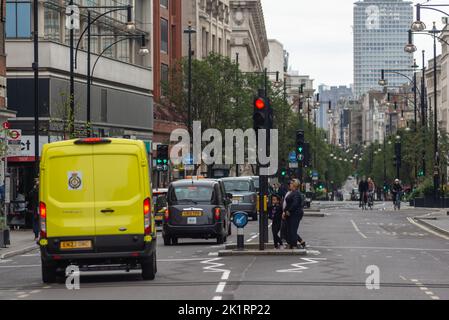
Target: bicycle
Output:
[(371, 200), (364, 201), (397, 201)]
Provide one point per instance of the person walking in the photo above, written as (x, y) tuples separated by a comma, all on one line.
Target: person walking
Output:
[(363, 191), (34, 207), (293, 214), (275, 214)]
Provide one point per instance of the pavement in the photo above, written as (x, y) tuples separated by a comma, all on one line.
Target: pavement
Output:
[(22, 241), (349, 253)]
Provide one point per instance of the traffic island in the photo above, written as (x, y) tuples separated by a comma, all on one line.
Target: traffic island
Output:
[(253, 250), (267, 252)]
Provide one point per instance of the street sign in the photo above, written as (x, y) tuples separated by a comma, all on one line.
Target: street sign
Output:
[(189, 167), (294, 165), (15, 134), (187, 160), (6, 125), (292, 157), (240, 219)]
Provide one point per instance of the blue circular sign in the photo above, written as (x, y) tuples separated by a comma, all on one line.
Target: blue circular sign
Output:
[(240, 219)]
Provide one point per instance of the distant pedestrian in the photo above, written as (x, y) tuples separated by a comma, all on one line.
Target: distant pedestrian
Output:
[(34, 207), (275, 214), (293, 214)]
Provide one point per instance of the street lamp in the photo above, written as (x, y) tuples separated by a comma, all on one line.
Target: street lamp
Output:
[(142, 51), (130, 25), (189, 31), (410, 47)]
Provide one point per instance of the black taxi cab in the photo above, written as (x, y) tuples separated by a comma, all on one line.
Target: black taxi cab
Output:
[(197, 209)]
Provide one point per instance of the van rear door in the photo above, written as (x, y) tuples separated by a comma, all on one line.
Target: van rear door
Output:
[(68, 186), (119, 196)]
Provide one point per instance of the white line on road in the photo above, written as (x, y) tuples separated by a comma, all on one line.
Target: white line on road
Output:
[(358, 230), (220, 287), (218, 298), (427, 229), (21, 266), (383, 248)]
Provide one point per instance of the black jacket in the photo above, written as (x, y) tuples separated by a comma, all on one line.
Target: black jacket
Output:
[(275, 212), (363, 186), (294, 204)]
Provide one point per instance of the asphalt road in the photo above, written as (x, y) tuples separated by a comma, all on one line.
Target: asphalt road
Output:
[(413, 264)]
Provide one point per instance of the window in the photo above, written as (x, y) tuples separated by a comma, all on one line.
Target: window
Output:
[(164, 35), (51, 24), (18, 19), (164, 3), (164, 75)]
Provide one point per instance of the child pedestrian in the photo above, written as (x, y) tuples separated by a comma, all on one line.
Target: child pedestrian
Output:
[(275, 214)]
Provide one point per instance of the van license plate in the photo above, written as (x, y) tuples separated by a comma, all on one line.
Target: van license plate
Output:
[(70, 245), (191, 220)]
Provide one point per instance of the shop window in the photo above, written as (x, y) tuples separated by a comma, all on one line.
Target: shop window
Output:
[(18, 19)]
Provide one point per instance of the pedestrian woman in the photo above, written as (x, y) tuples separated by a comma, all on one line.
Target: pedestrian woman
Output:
[(293, 214)]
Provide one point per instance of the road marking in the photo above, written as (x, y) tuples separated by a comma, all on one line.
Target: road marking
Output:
[(31, 255), (383, 248), (220, 287), (5, 261), (358, 230), (21, 266), (179, 260), (214, 266), (435, 298), (213, 253), (424, 288), (412, 221), (300, 267), (23, 296), (430, 293)]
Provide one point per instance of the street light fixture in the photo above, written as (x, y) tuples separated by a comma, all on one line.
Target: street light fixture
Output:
[(410, 47), (189, 31)]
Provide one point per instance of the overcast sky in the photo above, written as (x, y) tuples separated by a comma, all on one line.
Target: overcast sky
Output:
[(318, 36)]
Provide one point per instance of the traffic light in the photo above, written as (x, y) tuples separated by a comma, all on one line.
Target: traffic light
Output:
[(263, 114), (300, 144), (307, 155), (162, 155), (283, 173)]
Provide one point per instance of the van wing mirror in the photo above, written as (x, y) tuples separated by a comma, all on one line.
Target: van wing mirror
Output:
[(229, 196)]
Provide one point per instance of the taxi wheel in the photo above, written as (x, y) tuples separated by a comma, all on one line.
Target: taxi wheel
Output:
[(149, 267), (167, 241), (48, 273)]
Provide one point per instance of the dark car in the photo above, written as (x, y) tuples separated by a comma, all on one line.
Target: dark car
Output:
[(244, 195), (197, 209)]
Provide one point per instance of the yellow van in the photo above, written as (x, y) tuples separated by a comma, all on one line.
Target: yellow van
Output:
[(95, 206)]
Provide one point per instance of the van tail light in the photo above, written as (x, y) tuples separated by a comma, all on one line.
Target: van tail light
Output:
[(43, 219), (217, 214), (166, 215), (93, 141), (147, 216)]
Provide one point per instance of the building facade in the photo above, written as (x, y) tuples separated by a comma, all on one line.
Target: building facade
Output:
[(122, 79), (249, 36), (211, 21), (276, 61), (380, 32), (330, 94)]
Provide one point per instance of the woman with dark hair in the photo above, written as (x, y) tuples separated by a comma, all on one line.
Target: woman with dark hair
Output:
[(275, 214), (293, 214)]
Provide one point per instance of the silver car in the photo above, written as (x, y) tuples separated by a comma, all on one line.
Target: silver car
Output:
[(244, 195)]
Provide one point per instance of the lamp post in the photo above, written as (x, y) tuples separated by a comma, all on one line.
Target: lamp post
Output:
[(74, 56), (189, 31), (36, 86)]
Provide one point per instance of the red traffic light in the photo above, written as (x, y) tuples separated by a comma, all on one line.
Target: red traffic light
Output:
[(259, 103)]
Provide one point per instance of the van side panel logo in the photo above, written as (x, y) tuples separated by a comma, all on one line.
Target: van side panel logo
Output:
[(75, 180)]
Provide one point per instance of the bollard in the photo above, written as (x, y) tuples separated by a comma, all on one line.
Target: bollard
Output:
[(240, 221), (240, 239)]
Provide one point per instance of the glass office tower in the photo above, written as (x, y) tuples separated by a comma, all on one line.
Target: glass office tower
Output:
[(380, 34)]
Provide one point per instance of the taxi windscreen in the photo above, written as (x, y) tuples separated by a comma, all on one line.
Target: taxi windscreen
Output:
[(231, 186), (193, 194)]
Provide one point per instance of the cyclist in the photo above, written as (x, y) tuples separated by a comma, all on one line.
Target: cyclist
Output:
[(363, 191), (371, 191), (396, 191)]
